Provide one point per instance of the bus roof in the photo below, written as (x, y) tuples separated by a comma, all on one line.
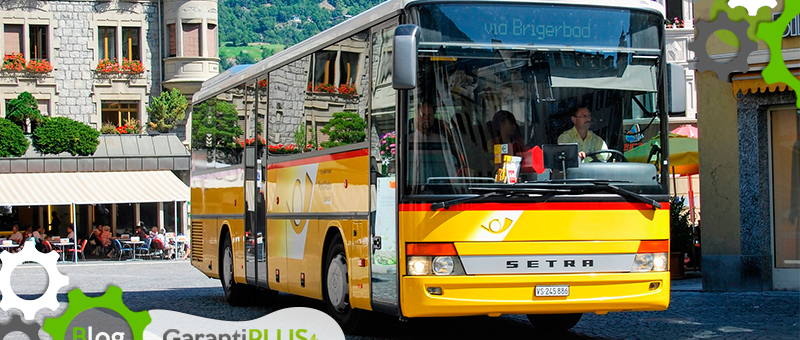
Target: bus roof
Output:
[(375, 15)]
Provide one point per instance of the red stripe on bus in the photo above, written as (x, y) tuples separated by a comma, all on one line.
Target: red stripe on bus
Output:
[(535, 206), (320, 159)]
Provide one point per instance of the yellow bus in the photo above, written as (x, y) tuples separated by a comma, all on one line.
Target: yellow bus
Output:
[(444, 158)]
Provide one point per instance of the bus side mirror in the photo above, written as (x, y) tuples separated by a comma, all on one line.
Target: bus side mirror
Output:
[(677, 88), (404, 58)]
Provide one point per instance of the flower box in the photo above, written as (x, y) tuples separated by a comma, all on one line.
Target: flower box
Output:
[(106, 66), (39, 66), (14, 62)]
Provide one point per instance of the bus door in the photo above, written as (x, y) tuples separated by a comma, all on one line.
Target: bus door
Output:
[(250, 146), (383, 203), (261, 187)]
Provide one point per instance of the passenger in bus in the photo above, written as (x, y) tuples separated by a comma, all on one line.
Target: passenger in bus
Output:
[(505, 130), (425, 127), (430, 155), (580, 133)]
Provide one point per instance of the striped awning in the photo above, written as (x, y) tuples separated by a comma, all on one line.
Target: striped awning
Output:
[(91, 188), (753, 82)]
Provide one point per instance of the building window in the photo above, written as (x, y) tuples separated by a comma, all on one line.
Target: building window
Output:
[(131, 47), (324, 69), (44, 107), (38, 42), (172, 38), (348, 68), (212, 40), (191, 40), (12, 35), (117, 112), (107, 42), (786, 186)]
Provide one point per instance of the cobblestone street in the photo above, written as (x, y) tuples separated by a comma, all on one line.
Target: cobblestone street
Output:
[(175, 285)]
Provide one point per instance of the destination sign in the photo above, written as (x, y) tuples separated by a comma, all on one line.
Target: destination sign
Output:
[(537, 24)]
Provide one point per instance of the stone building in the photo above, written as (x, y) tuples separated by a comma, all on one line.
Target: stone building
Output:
[(750, 168), (109, 59)]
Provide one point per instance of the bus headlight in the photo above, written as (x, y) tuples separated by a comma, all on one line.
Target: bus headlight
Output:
[(433, 259), (650, 262), (419, 265), (443, 265)]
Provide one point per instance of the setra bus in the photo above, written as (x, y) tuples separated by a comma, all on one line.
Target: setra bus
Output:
[(416, 160)]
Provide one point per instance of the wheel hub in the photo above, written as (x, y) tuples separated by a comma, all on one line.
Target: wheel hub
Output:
[(337, 283)]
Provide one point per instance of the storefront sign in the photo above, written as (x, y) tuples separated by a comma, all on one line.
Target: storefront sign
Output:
[(793, 30)]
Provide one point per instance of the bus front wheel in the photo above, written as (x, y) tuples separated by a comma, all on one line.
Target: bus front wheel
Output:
[(337, 288), (554, 322), (235, 293)]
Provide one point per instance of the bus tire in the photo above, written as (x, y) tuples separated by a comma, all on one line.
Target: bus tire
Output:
[(235, 293), (336, 289), (554, 322)]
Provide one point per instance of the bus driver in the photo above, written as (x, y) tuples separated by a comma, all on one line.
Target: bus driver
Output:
[(580, 133)]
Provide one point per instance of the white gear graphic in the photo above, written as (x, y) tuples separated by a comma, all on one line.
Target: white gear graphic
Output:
[(56, 280), (752, 5)]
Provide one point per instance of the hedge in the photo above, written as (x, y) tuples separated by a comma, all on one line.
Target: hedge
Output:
[(61, 134), (12, 141)]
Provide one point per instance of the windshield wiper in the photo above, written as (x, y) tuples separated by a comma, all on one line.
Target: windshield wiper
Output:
[(623, 192), (447, 204), (488, 192)]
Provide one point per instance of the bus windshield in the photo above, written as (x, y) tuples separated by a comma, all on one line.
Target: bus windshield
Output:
[(559, 91)]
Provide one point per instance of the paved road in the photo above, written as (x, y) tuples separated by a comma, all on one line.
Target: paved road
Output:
[(175, 285)]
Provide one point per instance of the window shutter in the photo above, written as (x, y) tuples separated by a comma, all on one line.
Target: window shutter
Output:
[(191, 40), (13, 39), (173, 38)]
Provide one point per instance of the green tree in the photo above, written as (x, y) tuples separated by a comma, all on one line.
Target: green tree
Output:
[(245, 58), (61, 134), (12, 141), (345, 128), (680, 230), (166, 110), (24, 109), (215, 124)]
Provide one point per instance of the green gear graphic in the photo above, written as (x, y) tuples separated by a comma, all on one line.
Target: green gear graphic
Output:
[(776, 71), (738, 14), (112, 299)]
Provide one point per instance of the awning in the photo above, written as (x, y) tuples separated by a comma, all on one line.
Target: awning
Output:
[(753, 82), (91, 188)]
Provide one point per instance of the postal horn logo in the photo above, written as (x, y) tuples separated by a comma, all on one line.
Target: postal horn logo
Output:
[(496, 227)]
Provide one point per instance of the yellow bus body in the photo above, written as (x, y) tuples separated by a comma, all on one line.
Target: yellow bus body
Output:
[(298, 191)]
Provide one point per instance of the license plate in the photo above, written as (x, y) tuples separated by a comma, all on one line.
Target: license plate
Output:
[(562, 290)]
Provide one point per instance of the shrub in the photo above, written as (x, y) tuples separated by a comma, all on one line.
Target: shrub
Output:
[(345, 128), (24, 109), (680, 230), (12, 141), (61, 134), (166, 110)]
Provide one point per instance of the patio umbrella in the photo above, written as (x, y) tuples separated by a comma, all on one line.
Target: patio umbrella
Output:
[(683, 155), (687, 130)]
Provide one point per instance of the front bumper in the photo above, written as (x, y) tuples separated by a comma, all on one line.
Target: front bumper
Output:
[(514, 294)]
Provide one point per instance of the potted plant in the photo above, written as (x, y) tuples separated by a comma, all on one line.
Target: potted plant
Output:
[(680, 235)]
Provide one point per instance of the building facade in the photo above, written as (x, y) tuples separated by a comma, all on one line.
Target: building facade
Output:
[(749, 169), (175, 41), (107, 60)]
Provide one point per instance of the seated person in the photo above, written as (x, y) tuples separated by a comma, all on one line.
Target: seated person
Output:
[(506, 131), (429, 151), (16, 236), (580, 133)]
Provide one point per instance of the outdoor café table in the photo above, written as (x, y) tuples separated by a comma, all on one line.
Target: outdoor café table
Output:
[(8, 246), (63, 246), (133, 247)]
